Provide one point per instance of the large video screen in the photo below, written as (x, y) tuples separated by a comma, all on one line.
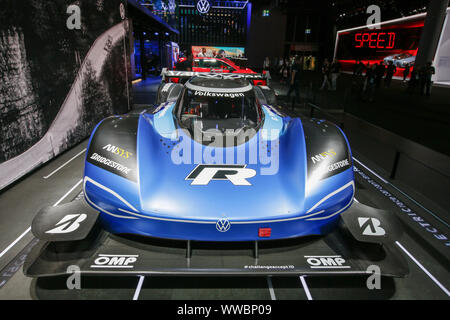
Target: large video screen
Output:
[(396, 43), (212, 51)]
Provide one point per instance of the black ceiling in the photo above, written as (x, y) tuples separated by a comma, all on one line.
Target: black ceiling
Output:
[(346, 12)]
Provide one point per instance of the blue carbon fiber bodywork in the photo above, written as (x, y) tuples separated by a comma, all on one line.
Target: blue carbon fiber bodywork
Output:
[(162, 202)]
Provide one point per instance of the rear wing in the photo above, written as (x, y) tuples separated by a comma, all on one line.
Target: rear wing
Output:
[(168, 74)]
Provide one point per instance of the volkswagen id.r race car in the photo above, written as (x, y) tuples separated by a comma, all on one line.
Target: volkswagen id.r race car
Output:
[(215, 161)]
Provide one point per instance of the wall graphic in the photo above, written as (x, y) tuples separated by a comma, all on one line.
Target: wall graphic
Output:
[(56, 83)]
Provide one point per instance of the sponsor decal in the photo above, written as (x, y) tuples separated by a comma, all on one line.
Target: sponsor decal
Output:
[(68, 224), (425, 225), (110, 163), (236, 174), (223, 225), (118, 151), (326, 262), (371, 226), (324, 155), (116, 261), (338, 165), (285, 267), (218, 94)]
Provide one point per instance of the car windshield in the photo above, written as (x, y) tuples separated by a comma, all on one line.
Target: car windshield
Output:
[(206, 110)]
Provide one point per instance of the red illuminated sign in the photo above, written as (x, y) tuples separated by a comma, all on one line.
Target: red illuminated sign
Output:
[(375, 40)]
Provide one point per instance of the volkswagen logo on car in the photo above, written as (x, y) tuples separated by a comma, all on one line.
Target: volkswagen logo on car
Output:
[(223, 225)]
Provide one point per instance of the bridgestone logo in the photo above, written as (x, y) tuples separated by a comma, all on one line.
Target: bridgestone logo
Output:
[(218, 94), (110, 163), (338, 165)]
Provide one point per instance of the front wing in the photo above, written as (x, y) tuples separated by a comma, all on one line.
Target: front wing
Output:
[(365, 237)]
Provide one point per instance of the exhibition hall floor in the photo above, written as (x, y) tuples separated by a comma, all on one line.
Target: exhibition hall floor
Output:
[(59, 181)]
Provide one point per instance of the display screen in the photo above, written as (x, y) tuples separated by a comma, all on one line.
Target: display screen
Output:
[(395, 43), (212, 51)]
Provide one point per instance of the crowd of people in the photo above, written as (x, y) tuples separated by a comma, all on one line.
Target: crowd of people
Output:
[(376, 74), (372, 76), (420, 76)]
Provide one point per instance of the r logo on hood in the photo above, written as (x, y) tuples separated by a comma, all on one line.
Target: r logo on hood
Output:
[(236, 174)]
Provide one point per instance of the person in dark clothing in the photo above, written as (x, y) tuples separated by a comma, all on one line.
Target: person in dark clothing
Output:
[(360, 68), (355, 67), (425, 79), (379, 71), (414, 80), (335, 70), (186, 65), (294, 84), (370, 83), (390, 71), (325, 75), (406, 72)]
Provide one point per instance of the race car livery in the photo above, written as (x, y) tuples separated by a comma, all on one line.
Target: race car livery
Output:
[(214, 161)]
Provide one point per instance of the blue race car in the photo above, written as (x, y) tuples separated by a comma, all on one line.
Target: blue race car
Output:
[(217, 161)]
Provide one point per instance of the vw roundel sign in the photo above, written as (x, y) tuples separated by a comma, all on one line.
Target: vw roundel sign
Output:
[(223, 225), (203, 6)]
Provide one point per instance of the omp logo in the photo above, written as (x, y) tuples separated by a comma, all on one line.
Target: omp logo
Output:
[(68, 224), (324, 155), (118, 261), (203, 6), (236, 174), (116, 150), (326, 262), (371, 226), (223, 225)]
